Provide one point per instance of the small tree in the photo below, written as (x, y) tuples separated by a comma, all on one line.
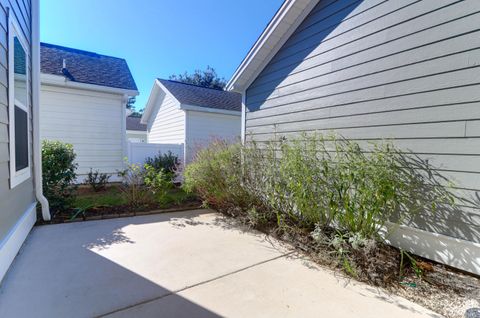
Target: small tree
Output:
[(206, 78), (59, 174)]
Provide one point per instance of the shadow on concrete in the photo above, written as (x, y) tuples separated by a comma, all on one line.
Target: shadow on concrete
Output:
[(67, 278)]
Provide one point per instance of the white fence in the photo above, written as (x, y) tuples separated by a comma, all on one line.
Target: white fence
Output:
[(138, 152)]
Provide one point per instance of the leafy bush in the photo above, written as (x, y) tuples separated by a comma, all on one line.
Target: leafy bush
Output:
[(59, 175), (144, 184), (215, 175), (168, 162), (96, 180), (156, 181), (133, 185), (324, 182)]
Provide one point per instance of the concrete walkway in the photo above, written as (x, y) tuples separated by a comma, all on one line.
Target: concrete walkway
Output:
[(184, 264)]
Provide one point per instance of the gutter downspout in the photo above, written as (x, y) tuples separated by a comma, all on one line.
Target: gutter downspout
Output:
[(37, 158), (125, 145), (244, 117)]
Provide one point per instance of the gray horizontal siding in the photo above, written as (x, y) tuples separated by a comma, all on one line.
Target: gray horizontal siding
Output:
[(13, 202), (372, 70)]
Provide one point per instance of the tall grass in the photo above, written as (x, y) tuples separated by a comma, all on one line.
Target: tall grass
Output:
[(316, 182)]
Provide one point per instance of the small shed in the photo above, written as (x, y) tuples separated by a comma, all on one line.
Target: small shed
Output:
[(180, 113)]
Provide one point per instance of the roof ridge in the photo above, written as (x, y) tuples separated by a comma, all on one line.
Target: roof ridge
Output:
[(194, 85), (73, 50)]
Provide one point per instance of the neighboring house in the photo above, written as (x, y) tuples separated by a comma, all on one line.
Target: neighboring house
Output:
[(136, 131), (83, 102), (20, 160), (371, 70), (179, 113)]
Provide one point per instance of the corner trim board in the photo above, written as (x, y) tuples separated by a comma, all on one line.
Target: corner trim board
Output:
[(13, 241)]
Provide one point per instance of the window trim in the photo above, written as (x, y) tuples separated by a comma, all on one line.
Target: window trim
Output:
[(17, 177)]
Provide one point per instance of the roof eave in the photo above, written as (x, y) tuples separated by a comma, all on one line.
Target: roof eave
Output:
[(152, 98), (210, 110), (61, 81), (277, 32)]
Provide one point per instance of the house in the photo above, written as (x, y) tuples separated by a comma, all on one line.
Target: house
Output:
[(179, 113), (20, 159), (136, 131), (83, 102), (371, 70)]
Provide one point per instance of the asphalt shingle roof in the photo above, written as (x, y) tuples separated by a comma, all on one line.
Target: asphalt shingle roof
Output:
[(133, 123), (86, 67), (194, 95)]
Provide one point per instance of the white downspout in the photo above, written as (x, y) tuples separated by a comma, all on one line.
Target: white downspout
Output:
[(37, 158), (244, 116), (123, 124)]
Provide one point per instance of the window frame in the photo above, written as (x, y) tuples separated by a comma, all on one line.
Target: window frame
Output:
[(14, 30)]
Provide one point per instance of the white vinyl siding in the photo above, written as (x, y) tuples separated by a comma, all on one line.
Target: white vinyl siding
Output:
[(374, 69), (136, 136), (203, 127), (91, 121), (167, 122)]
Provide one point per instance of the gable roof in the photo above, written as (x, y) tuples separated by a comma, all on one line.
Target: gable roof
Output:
[(86, 67), (133, 123), (193, 95), (279, 29)]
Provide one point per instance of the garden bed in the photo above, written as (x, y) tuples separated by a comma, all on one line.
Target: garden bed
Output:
[(330, 198), (111, 203)]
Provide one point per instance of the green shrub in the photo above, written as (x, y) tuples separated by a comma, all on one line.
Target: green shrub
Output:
[(133, 186), (58, 174), (96, 180), (143, 185), (215, 175), (317, 182), (168, 162), (156, 181)]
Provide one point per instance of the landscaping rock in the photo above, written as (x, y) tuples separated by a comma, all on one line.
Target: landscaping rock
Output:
[(472, 313)]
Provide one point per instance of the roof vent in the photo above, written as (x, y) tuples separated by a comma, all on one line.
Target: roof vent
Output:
[(65, 71)]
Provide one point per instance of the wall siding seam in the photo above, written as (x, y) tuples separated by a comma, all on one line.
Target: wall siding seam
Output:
[(366, 62), (343, 21), (369, 87), (362, 101), (358, 39), (360, 114)]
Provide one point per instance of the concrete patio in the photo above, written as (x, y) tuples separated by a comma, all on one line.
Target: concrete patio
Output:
[(184, 264)]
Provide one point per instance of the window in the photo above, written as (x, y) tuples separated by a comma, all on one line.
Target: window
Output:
[(19, 122)]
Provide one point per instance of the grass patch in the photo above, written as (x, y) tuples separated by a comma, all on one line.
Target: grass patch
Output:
[(175, 197), (112, 196)]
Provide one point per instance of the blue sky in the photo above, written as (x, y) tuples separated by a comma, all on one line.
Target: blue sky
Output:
[(159, 37)]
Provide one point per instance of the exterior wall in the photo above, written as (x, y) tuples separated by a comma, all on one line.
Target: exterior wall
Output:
[(372, 70), (203, 127), (136, 136), (167, 122), (91, 121), (14, 203)]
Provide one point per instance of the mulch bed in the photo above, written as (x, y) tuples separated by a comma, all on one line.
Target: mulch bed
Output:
[(110, 212)]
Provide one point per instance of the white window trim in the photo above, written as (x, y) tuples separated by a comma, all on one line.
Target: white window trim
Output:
[(17, 177)]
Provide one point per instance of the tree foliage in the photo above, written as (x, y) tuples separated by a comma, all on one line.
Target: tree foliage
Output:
[(205, 78), (131, 103)]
